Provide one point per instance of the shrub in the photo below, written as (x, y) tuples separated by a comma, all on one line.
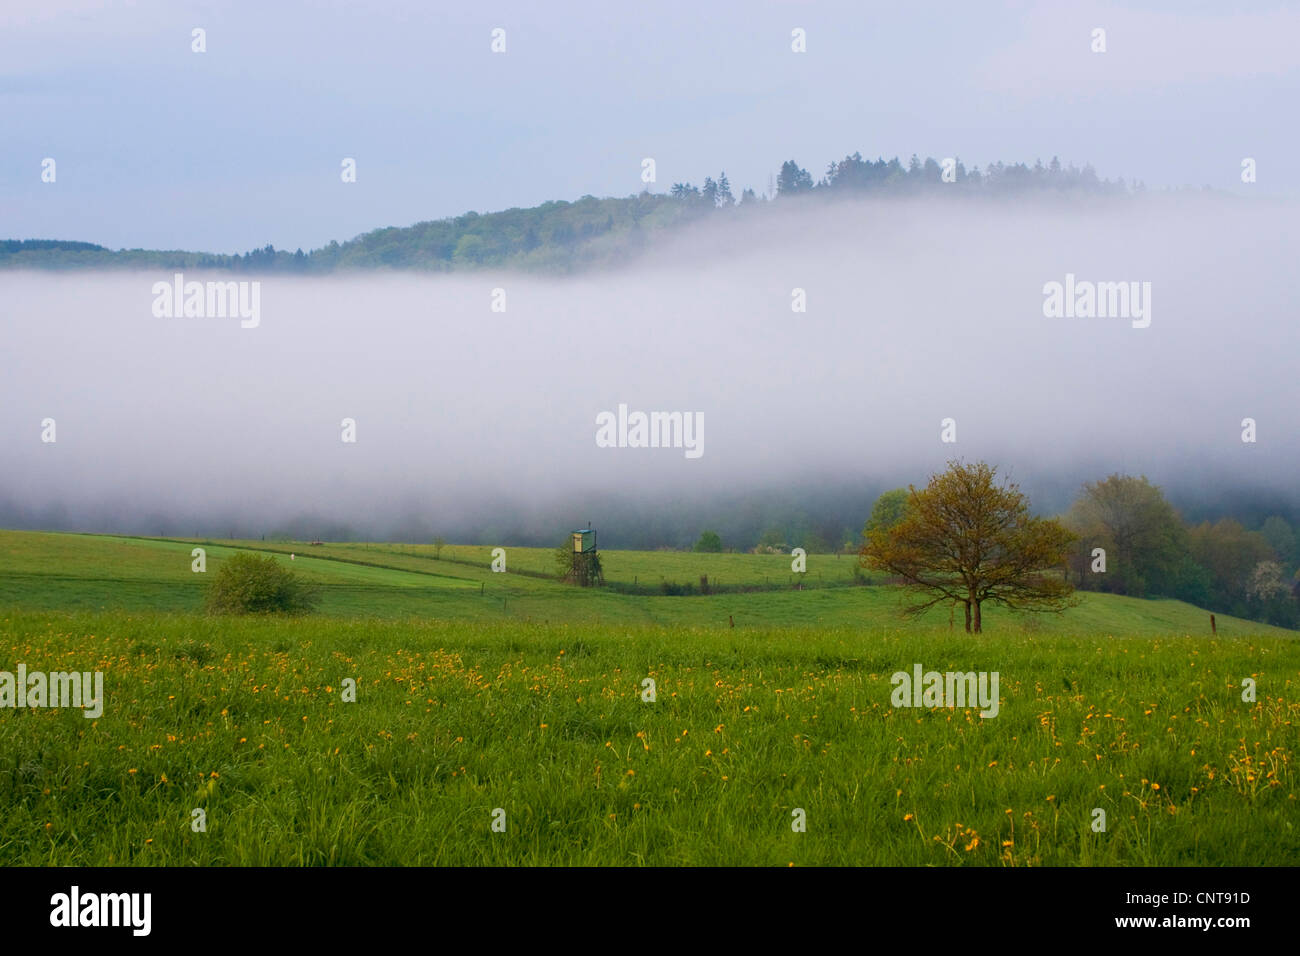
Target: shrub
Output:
[(194, 651), (673, 589), (254, 584), (709, 542)]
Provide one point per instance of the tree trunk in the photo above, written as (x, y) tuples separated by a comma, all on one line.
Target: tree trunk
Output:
[(967, 603), (978, 627)]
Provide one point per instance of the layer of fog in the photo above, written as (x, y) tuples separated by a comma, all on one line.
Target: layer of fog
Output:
[(474, 423)]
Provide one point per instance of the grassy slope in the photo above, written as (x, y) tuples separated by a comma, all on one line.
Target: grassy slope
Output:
[(95, 572)]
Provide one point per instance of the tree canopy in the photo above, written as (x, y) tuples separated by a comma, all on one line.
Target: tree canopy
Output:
[(1145, 542), (887, 511)]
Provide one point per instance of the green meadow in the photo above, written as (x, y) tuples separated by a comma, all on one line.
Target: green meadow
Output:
[(513, 699)]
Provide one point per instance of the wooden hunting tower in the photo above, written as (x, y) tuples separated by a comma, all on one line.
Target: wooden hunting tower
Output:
[(584, 541), (582, 566)]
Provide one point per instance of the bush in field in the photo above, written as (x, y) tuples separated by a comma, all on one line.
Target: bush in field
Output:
[(709, 542), (254, 584)]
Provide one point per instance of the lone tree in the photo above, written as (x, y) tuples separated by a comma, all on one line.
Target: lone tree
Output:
[(966, 540)]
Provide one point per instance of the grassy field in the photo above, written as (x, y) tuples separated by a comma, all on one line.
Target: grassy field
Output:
[(478, 691)]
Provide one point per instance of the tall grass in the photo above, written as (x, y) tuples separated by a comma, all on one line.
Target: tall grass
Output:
[(245, 720)]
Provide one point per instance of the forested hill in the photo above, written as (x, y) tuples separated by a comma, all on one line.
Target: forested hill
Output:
[(560, 236)]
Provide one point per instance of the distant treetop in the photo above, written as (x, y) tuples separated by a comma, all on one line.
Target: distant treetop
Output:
[(562, 236)]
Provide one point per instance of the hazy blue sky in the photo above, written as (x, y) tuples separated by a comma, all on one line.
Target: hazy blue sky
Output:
[(161, 147)]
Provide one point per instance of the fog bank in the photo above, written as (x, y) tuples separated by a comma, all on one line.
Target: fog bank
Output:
[(476, 423)]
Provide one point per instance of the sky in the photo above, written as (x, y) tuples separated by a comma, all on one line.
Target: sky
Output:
[(157, 146)]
